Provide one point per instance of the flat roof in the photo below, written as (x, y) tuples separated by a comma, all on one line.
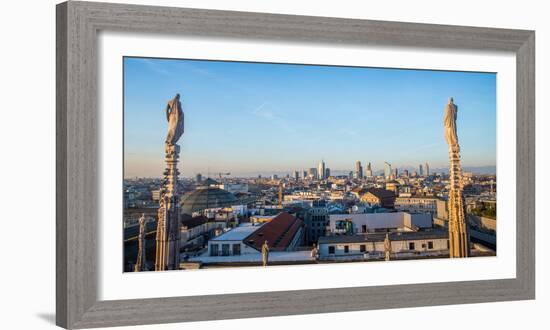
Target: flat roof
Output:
[(379, 237), (238, 233), (287, 256)]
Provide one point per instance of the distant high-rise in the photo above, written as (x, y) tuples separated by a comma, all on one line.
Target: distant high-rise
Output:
[(395, 173), (198, 178), (321, 170), (368, 172), (420, 171), (312, 173), (387, 170), (358, 170), (296, 175), (427, 169), (304, 174), (327, 173), (406, 173)]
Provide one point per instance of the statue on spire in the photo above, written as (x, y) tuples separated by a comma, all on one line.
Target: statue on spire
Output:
[(174, 115), (450, 123), (168, 224)]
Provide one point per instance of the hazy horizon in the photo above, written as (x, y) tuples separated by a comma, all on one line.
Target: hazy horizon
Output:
[(249, 118)]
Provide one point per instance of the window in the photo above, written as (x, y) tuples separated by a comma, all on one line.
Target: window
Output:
[(430, 245), (411, 245), (331, 250), (362, 248), (236, 249), (225, 249), (213, 249), (346, 248)]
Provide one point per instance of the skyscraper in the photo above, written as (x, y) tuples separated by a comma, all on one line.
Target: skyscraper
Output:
[(327, 173), (420, 170), (321, 170), (312, 173), (427, 169), (358, 170), (296, 175), (387, 170), (368, 172)]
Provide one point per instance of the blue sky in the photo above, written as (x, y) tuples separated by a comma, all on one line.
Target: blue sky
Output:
[(257, 118)]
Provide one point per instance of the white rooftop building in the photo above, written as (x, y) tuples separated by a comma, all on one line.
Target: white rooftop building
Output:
[(372, 222), (232, 242)]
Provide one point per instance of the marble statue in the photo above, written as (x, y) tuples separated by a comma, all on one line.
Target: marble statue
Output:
[(449, 122), (265, 254), (174, 115), (387, 247), (141, 264), (315, 252)]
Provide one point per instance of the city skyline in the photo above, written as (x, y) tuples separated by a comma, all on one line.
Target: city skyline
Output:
[(250, 118)]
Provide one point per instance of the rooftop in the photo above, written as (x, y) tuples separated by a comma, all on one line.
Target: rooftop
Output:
[(381, 193), (205, 198), (238, 233), (278, 233), (192, 222), (287, 256), (379, 237)]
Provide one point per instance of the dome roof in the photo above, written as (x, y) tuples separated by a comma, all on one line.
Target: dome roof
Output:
[(206, 198)]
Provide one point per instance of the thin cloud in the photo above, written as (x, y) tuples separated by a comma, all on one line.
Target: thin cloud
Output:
[(265, 111), (155, 67)]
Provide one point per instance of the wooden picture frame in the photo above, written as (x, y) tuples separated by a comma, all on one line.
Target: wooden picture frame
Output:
[(78, 24)]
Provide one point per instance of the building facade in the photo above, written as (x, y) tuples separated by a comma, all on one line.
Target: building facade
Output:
[(381, 197), (371, 246), (361, 223), (358, 170), (316, 221), (416, 204)]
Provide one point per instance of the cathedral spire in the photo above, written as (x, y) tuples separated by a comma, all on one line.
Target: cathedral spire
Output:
[(458, 235), (168, 225)]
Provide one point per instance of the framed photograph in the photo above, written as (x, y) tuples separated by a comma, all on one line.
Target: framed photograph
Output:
[(218, 165)]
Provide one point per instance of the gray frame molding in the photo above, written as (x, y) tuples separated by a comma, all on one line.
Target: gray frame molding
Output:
[(77, 150)]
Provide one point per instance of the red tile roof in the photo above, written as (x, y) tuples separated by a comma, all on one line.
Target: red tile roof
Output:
[(381, 193), (279, 233)]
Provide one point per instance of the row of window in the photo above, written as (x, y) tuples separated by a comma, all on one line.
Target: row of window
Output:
[(363, 247), (215, 250), (318, 224)]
